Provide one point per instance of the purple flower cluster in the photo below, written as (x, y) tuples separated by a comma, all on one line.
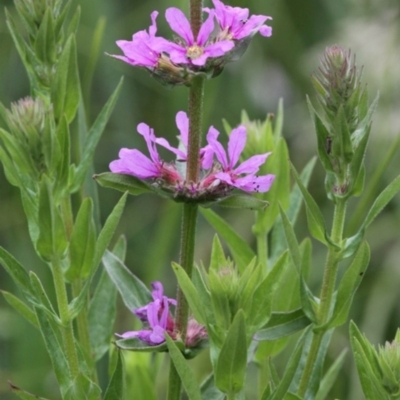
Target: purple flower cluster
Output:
[(158, 321), (208, 51), (221, 172)]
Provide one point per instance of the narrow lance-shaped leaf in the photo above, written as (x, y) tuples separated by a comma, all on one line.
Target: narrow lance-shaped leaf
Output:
[(190, 292), (123, 183), (45, 43), (186, 375), (108, 231), (115, 389), (82, 243), (133, 292), (283, 324), (65, 91), (102, 308), (241, 251), (231, 365), (22, 394), (349, 285), (93, 138), (21, 308), (316, 223), (330, 377), (296, 200), (55, 351)]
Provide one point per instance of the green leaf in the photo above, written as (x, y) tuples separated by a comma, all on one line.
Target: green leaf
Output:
[(21, 308), (52, 239), (231, 365), (137, 345), (82, 388), (217, 258), (323, 137), (315, 220), (283, 324), (259, 312), (239, 248), (238, 201), (383, 199), (188, 379), (291, 240), (93, 138), (25, 52), (82, 243), (209, 391), (348, 286), (17, 273), (102, 309), (42, 301), (22, 394), (278, 165), (108, 231), (330, 377), (367, 365), (115, 389), (62, 169), (55, 351), (45, 43), (190, 292), (278, 243), (283, 387), (123, 183), (133, 292), (65, 91)]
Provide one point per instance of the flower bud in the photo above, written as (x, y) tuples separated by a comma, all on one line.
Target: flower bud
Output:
[(27, 122), (343, 132), (389, 361)]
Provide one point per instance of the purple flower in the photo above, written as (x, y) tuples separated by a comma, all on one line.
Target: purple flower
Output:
[(235, 23), (193, 50), (144, 50), (244, 175), (156, 316), (133, 162)]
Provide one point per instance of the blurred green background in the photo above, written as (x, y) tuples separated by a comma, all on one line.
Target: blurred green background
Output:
[(272, 68)]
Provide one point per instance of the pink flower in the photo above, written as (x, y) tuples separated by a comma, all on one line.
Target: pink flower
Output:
[(144, 50), (244, 175), (134, 162), (235, 22), (197, 50), (156, 315)]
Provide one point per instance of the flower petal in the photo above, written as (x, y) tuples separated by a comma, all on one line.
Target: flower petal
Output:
[(179, 24), (150, 139), (220, 48), (217, 147), (237, 141), (182, 122), (133, 162), (205, 30), (251, 165), (252, 183)]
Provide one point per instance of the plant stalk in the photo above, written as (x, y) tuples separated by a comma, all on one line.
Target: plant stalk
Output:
[(326, 295), (188, 232), (67, 330)]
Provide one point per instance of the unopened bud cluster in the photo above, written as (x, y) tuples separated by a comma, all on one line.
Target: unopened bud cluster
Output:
[(343, 130)]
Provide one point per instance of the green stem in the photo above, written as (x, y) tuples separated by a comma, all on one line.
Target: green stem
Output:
[(67, 330), (195, 111), (182, 309), (326, 295)]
